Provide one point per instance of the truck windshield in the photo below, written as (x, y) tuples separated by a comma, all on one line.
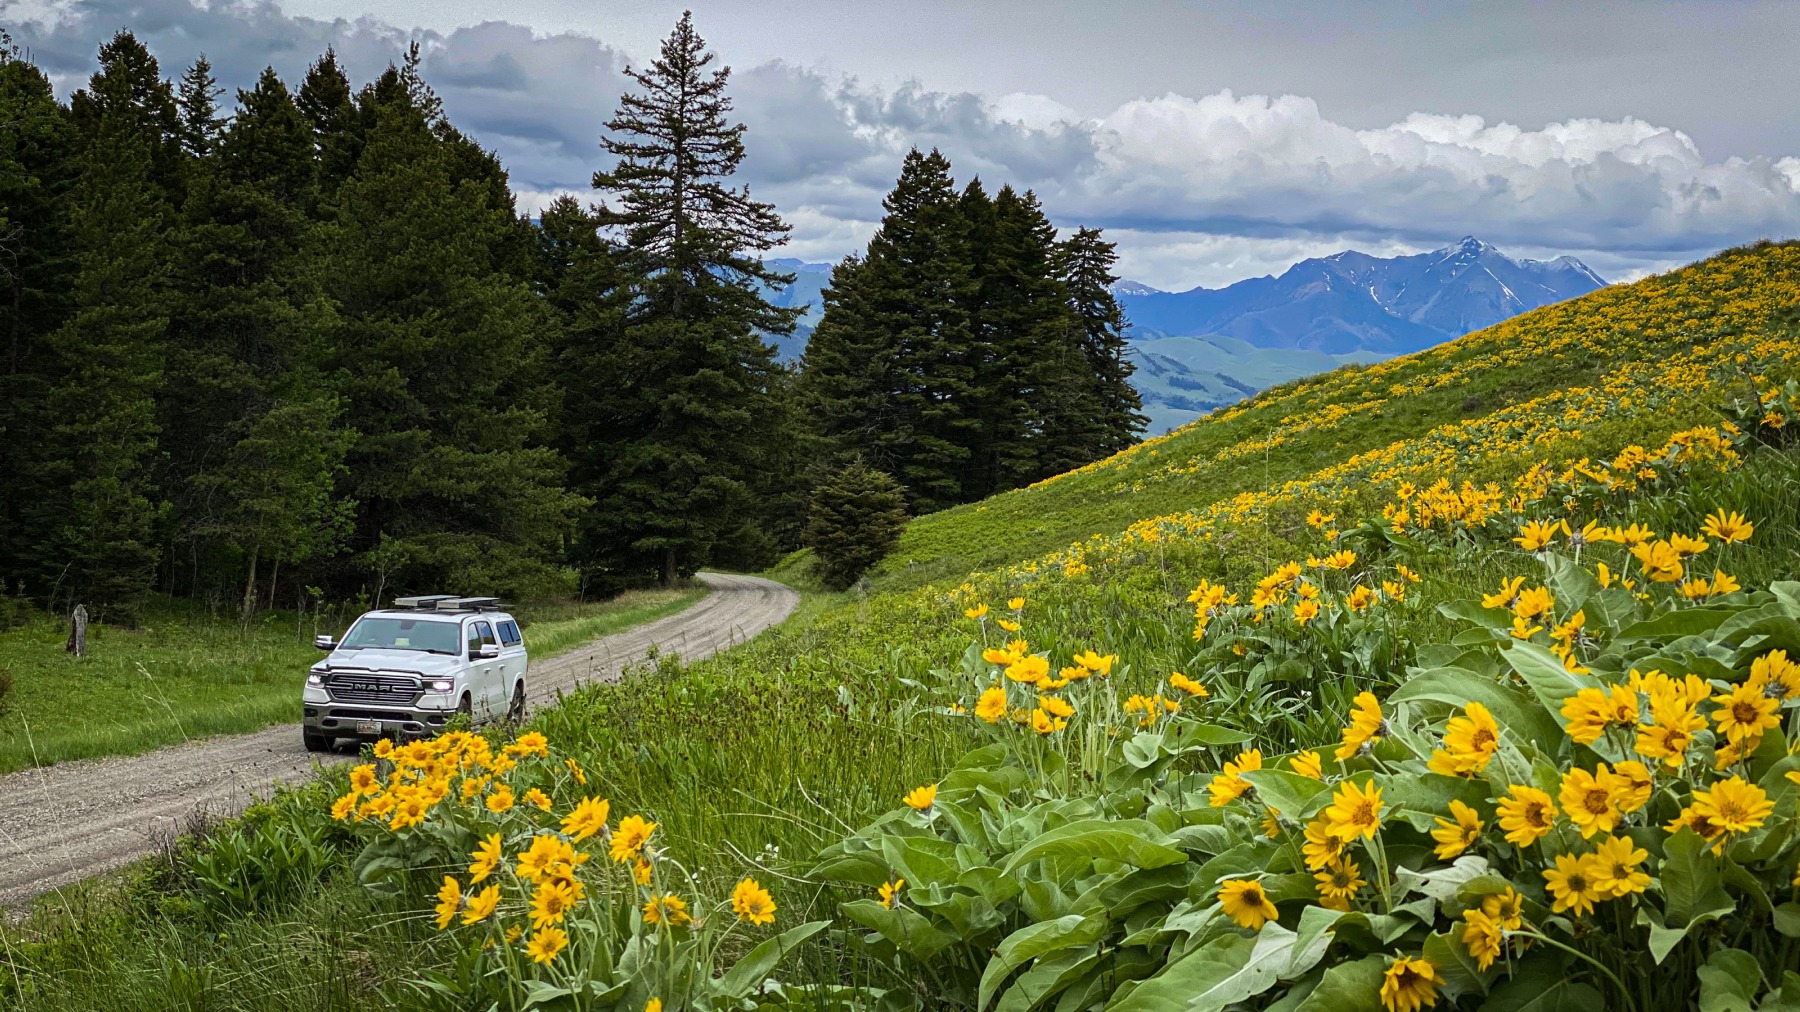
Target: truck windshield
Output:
[(405, 634)]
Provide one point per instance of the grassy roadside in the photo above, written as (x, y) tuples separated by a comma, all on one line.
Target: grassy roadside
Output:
[(185, 674)]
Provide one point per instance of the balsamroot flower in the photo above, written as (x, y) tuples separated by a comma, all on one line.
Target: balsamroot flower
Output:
[(1244, 901), (751, 902), (1410, 984)]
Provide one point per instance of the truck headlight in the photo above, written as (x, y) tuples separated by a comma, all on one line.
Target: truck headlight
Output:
[(313, 679), (442, 685)]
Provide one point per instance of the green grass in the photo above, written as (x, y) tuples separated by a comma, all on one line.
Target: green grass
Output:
[(185, 674), (756, 757)]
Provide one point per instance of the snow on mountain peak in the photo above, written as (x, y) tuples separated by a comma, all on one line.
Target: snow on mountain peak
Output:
[(1126, 286)]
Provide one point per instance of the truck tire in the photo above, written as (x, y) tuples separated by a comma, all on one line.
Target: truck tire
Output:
[(315, 742), (515, 711)]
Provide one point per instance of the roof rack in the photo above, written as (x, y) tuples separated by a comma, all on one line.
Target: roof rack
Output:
[(426, 602), (474, 604), (447, 602)]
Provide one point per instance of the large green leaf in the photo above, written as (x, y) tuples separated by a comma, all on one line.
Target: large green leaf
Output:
[(921, 860), (749, 972), (1472, 611), (1676, 624), (1421, 800), (1549, 680), (1519, 716), (1170, 990), (1035, 940), (1571, 584), (1047, 979), (907, 929), (1693, 891), (1131, 841), (1213, 734), (1729, 981), (1288, 793), (1787, 919), (1462, 975), (1349, 987)]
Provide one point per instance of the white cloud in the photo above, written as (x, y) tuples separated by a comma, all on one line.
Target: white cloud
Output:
[(1203, 189)]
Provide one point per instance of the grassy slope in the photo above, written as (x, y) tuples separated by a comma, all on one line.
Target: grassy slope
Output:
[(184, 674), (816, 726), (1571, 344)]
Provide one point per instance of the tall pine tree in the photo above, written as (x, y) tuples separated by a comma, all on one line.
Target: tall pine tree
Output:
[(99, 543), (248, 346), (443, 348), (889, 372), (198, 100), (1084, 263), (37, 264), (688, 405)]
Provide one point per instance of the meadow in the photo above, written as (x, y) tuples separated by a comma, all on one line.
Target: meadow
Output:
[(186, 673), (1331, 561)]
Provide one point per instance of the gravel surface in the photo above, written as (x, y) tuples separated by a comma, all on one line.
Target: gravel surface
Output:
[(63, 823)]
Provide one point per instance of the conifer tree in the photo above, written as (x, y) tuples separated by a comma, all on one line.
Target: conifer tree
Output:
[(443, 352), (198, 99), (855, 516), (108, 356), (329, 107), (1085, 262), (690, 403), (130, 93), (248, 339), (37, 168), (1021, 339), (888, 370)]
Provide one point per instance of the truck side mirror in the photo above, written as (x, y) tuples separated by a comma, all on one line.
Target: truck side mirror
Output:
[(324, 642), (488, 651)]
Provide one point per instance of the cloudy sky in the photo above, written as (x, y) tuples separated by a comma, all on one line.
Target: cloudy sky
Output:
[(1212, 141)]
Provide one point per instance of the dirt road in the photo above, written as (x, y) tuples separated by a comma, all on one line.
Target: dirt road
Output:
[(64, 823)]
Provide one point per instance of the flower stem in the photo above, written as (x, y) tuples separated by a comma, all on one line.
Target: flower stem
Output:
[(1617, 983)]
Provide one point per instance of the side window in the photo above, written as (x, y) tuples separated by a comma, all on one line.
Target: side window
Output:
[(487, 633), (509, 633), (474, 639)]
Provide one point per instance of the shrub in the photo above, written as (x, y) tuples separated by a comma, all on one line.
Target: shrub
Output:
[(855, 517)]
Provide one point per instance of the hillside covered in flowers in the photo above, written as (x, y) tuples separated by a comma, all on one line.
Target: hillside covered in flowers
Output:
[(1466, 681)]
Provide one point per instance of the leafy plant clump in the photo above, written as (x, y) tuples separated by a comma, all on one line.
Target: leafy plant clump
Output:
[(1584, 798), (854, 519)]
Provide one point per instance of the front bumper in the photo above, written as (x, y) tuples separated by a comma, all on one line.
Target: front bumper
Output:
[(341, 720)]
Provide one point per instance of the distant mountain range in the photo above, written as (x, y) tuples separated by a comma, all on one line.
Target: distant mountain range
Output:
[(1352, 302), (1206, 347), (809, 282)]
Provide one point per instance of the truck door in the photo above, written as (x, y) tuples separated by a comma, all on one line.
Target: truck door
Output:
[(489, 678)]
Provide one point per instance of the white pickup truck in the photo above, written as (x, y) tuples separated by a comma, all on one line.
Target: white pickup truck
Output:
[(405, 671)]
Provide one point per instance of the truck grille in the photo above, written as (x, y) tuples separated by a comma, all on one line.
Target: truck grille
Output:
[(392, 690)]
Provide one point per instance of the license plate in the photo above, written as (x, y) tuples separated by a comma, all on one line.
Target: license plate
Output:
[(368, 727)]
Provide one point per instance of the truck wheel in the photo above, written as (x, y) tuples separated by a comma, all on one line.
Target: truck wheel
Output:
[(515, 713), (315, 742)]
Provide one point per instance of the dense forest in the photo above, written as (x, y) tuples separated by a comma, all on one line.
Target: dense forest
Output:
[(309, 345)]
